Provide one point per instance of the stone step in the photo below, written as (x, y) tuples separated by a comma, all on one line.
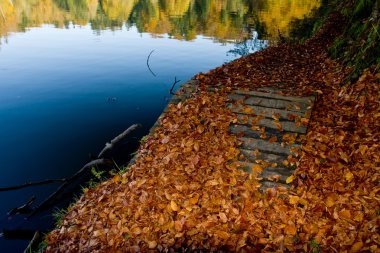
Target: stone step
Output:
[(272, 103), (246, 131), (263, 145), (270, 174), (287, 126), (271, 95), (270, 184), (266, 112), (254, 156)]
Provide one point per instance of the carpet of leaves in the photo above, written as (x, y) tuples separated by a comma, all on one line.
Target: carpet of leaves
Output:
[(184, 193)]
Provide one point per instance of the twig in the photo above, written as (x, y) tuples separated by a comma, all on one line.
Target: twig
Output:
[(175, 82), (117, 140), (33, 243), (147, 63), (47, 181)]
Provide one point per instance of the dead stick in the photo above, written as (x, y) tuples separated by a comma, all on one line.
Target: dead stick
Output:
[(175, 82), (118, 139), (33, 243), (47, 181), (147, 63), (60, 189)]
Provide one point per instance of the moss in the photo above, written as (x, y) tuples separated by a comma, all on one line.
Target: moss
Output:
[(363, 8), (357, 47)]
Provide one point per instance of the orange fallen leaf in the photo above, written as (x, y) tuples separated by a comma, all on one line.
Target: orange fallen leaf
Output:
[(290, 229), (257, 168), (272, 139), (174, 206)]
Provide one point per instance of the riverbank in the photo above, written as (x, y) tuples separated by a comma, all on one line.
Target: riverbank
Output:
[(182, 192)]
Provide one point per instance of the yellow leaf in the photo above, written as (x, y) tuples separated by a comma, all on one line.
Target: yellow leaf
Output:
[(174, 206), (248, 110), (196, 146), (275, 117), (349, 176), (330, 201), (194, 200), (223, 217), (152, 244), (290, 179), (200, 129), (290, 229), (293, 199), (212, 182), (222, 234), (357, 247)]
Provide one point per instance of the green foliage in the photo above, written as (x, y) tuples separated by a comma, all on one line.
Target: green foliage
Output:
[(363, 8), (315, 247), (59, 215), (41, 247), (144, 139), (302, 29), (358, 45), (98, 174)]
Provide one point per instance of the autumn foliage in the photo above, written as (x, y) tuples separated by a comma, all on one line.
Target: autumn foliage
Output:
[(184, 192)]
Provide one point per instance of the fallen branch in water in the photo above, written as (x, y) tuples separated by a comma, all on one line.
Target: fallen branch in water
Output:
[(28, 184), (50, 199), (25, 208), (147, 63), (110, 146), (175, 82)]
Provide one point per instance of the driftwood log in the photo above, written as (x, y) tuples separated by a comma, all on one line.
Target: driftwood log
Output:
[(104, 160), (48, 202)]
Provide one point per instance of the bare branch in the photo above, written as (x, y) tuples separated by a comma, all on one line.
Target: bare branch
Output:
[(42, 182), (175, 82), (147, 63)]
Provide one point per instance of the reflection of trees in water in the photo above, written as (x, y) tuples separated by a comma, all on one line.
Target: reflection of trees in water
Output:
[(248, 46), (223, 20)]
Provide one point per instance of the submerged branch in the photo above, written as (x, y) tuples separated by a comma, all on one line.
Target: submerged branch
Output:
[(117, 140), (60, 189), (25, 208), (175, 82), (42, 182), (147, 63)]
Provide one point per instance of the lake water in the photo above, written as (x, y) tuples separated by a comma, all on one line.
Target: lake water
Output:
[(74, 74)]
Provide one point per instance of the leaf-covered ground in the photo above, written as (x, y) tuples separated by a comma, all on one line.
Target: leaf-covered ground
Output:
[(183, 193)]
